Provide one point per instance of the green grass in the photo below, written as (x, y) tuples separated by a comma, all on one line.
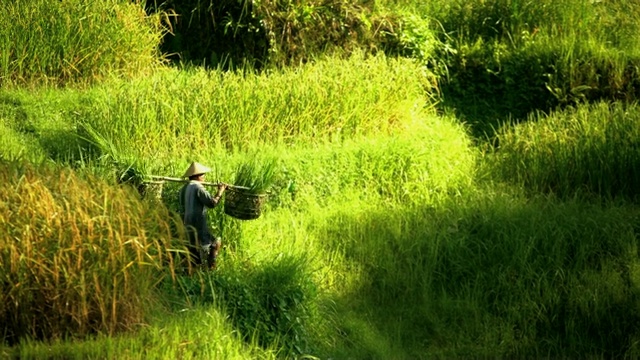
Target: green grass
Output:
[(319, 103), (406, 246), (71, 42), (198, 332), (507, 20), (389, 232), (506, 60), (588, 150), (255, 176), (491, 273)]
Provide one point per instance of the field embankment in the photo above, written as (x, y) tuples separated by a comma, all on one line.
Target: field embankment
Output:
[(178, 114)]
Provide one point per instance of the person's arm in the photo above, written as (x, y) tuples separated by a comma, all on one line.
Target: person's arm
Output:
[(221, 188), (208, 200)]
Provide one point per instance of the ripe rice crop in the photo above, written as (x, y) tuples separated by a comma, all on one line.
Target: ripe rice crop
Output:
[(76, 256)]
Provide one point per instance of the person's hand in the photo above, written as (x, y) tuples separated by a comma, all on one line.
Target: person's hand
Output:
[(221, 188)]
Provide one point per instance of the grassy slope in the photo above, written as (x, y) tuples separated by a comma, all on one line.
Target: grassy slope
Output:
[(412, 250), (393, 231)]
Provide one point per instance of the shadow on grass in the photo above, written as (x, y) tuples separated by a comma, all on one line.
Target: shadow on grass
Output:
[(492, 278), (485, 113)]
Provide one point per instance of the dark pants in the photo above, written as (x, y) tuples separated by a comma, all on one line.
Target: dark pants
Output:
[(195, 248), (199, 249)]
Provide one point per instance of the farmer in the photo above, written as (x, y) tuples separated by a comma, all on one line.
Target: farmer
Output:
[(194, 201)]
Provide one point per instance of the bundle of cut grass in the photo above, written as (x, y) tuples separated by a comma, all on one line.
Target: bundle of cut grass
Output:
[(245, 198)]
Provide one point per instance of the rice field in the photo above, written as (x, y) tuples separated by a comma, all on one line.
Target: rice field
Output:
[(391, 229)]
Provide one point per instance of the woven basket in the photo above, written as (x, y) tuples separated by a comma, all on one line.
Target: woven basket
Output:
[(151, 189), (243, 204)]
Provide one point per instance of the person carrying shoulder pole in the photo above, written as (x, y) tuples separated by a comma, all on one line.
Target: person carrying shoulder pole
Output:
[(194, 201)]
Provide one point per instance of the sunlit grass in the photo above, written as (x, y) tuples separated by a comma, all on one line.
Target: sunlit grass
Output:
[(75, 41), (77, 256), (587, 150), (607, 22), (381, 236), (213, 111), (198, 332), (186, 114)]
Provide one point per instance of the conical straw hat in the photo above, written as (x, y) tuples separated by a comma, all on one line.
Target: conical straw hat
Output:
[(196, 169)]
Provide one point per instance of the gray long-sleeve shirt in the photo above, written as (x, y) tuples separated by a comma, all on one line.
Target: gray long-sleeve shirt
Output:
[(194, 201)]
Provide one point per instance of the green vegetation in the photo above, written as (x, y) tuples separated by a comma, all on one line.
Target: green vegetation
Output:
[(75, 41), (589, 150), (256, 177), (79, 257), (446, 179)]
